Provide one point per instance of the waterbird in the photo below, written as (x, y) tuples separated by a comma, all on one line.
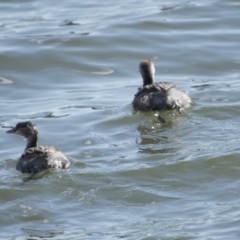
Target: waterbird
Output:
[(37, 158), (158, 96)]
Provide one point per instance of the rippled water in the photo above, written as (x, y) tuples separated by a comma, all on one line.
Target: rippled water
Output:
[(71, 67)]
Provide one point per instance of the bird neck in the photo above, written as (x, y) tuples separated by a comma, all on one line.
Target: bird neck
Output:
[(148, 79), (31, 142)]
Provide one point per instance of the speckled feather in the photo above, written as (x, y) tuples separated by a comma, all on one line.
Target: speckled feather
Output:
[(36, 159)]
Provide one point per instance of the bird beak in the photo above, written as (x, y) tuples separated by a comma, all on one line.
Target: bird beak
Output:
[(11, 130)]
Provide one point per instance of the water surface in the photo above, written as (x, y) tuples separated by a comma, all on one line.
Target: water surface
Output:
[(72, 69)]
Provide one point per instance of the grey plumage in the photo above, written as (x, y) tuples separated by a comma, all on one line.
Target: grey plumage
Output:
[(158, 96), (37, 158)]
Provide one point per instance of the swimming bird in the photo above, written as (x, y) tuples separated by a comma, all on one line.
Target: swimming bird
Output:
[(158, 96), (37, 158)]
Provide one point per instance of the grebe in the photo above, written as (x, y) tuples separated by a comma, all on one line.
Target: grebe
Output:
[(37, 158), (158, 96)]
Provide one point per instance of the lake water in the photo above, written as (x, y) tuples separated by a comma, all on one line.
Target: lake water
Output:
[(71, 67)]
